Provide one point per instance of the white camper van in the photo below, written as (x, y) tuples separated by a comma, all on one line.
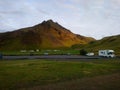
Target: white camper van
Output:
[(106, 53)]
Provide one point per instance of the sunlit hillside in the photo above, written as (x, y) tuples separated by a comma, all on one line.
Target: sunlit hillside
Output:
[(46, 35)]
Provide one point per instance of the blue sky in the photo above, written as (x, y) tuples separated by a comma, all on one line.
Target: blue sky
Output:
[(94, 18)]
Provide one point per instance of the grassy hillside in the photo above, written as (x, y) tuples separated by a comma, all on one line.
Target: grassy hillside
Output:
[(111, 42)]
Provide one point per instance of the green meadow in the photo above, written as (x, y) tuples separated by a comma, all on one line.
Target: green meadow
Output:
[(42, 52), (28, 74)]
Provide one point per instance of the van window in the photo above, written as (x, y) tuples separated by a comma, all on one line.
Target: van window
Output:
[(110, 53)]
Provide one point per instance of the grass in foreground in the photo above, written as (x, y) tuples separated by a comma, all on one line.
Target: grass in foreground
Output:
[(30, 73), (102, 82)]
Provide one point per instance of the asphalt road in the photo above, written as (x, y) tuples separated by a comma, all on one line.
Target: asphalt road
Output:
[(51, 57)]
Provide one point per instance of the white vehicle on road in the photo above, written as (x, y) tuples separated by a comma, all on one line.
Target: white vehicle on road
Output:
[(90, 54), (106, 53)]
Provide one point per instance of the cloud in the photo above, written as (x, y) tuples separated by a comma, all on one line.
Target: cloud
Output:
[(18, 14)]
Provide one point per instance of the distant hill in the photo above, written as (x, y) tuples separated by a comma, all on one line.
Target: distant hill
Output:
[(111, 42), (47, 34)]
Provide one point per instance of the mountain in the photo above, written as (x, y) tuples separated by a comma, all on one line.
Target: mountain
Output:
[(47, 34), (110, 42)]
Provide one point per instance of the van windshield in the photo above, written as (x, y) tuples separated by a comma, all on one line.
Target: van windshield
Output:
[(110, 53)]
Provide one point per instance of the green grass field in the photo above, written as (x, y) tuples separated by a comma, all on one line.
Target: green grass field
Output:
[(27, 74), (41, 52)]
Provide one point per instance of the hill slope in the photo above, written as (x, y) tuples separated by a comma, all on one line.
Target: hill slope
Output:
[(47, 34), (111, 42)]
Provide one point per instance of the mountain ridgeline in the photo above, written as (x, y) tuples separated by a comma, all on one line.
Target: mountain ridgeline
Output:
[(46, 35)]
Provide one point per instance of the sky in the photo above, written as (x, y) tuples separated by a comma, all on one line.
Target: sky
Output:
[(92, 18)]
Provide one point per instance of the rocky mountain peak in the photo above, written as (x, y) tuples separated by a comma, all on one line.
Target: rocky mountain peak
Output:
[(48, 22)]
